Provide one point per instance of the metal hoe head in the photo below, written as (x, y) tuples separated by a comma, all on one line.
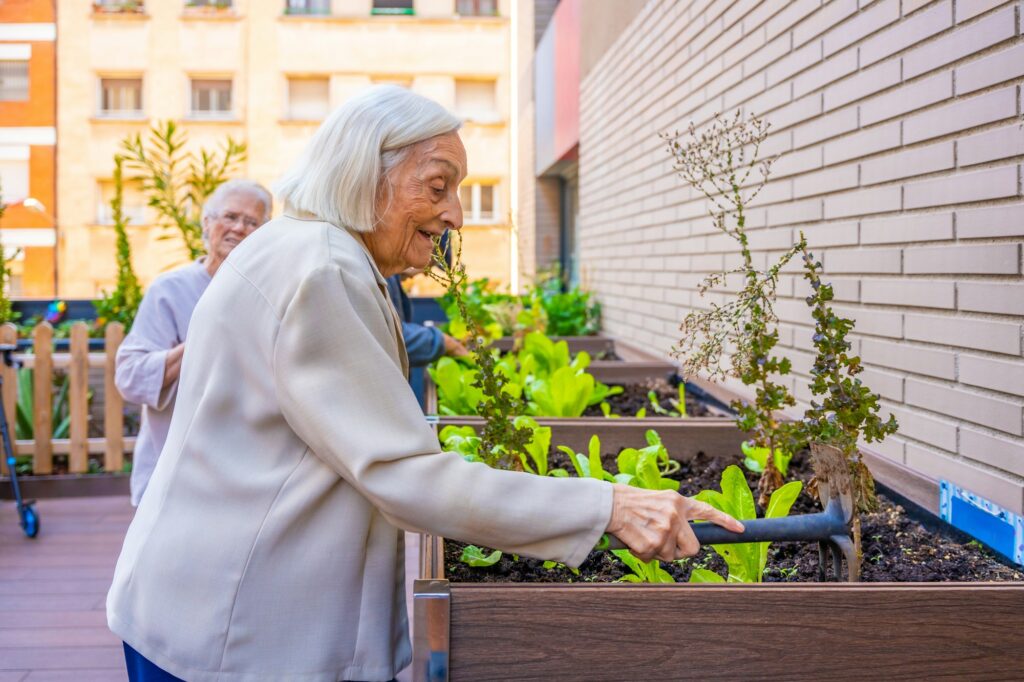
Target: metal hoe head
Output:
[(835, 488)]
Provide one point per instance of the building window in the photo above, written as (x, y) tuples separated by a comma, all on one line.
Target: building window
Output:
[(316, 7), (117, 6), (121, 96), (14, 179), (477, 8), (133, 204), (13, 80), (476, 100), (392, 7), (479, 202), (308, 99), (211, 98)]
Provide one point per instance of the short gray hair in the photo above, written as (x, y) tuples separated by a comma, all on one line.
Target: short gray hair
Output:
[(338, 174), (215, 201)]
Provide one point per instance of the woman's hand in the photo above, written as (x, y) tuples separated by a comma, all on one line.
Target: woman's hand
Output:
[(453, 347), (654, 524)]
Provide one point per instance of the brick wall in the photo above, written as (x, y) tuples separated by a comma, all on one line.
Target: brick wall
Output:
[(899, 129)]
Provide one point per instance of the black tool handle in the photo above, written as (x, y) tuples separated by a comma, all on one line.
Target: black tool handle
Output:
[(804, 527)]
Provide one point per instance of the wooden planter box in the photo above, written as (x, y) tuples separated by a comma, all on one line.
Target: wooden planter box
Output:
[(798, 631), (595, 345), (820, 631)]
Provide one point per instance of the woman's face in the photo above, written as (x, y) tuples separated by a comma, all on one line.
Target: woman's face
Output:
[(424, 202)]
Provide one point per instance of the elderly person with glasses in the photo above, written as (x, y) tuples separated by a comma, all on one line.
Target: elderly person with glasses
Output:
[(269, 545), (149, 359)]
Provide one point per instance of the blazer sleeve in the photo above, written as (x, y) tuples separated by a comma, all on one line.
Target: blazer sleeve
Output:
[(139, 366), (343, 393)]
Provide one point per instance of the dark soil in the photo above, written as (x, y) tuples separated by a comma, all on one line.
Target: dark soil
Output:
[(634, 397), (896, 548)]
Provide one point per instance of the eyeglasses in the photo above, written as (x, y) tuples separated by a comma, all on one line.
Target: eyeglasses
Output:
[(232, 218)]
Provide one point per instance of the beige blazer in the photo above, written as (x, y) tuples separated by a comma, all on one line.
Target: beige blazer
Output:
[(267, 546)]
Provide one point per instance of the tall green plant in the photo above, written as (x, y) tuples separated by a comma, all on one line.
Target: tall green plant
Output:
[(179, 182), (122, 303), (503, 443), (844, 410), (723, 163)]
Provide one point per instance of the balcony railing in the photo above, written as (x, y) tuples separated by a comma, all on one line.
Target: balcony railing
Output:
[(119, 6)]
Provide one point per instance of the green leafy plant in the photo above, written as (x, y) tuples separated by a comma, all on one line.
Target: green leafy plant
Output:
[(566, 392), (723, 163), (643, 468), (571, 313), (463, 440), (678, 404), (503, 443), (538, 448), (458, 389), (642, 571), (844, 410), (754, 458), (656, 449), (179, 182), (122, 303), (746, 561), (24, 426), (590, 465), (477, 558)]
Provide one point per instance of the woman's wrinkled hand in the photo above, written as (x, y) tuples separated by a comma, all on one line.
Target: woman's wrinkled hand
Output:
[(654, 524)]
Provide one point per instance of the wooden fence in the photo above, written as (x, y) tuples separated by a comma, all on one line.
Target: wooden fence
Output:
[(42, 362)]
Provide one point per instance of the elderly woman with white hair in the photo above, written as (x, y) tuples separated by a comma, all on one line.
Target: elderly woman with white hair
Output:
[(269, 545), (149, 359)]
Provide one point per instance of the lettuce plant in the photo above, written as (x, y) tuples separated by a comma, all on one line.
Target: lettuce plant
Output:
[(678, 404), (463, 440), (755, 458), (589, 465), (475, 557), (567, 392), (538, 449), (647, 466), (746, 561), (642, 571), (458, 390)]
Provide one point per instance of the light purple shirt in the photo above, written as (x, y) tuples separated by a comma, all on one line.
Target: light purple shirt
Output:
[(160, 325)]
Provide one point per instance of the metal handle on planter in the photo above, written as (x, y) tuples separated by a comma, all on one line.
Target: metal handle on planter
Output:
[(806, 527)]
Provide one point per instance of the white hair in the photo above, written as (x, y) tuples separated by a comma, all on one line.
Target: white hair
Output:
[(215, 201), (337, 176)]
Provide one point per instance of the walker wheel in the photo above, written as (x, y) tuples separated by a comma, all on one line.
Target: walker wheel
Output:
[(30, 521)]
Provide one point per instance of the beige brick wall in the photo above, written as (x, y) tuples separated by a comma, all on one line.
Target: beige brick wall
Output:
[(899, 126)]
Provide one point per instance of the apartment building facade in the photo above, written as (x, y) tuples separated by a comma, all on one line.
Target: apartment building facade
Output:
[(27, 144), (266, 73), (898, 125)]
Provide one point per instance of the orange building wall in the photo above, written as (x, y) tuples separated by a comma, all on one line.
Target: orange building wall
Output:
[(27, 11), (40, 109), (42, 168)]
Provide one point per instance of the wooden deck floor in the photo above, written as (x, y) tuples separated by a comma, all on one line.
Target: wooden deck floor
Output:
[(53, 588)]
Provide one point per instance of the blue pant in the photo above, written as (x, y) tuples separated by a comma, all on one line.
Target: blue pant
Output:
[(141, 669)]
